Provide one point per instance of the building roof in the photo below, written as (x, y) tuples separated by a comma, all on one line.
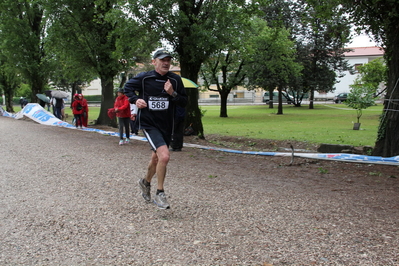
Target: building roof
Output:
[(365, 51)]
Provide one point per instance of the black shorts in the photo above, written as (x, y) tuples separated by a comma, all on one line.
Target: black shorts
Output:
[(155, 138)]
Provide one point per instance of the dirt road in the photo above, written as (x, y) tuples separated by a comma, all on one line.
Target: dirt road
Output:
[(70, 197)]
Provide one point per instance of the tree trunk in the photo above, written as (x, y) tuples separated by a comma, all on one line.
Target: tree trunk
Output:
[(36, 88), (193, 112), (107, 101), (271, 96), (280, 102), (9, 103), (387, 143), (311, 99), (223, 103)]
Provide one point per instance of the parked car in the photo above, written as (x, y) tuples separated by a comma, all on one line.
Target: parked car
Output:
[(341, 97), (286, 97)]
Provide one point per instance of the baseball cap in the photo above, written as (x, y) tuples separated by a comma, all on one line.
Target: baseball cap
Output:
[(162, 53)]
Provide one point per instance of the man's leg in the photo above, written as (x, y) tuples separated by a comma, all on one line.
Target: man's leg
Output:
[(163, 157), (157, 165)]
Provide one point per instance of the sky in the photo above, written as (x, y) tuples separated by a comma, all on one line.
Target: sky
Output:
[(362, 41)]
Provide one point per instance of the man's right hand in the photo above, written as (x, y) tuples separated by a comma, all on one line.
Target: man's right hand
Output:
[(141, 103)]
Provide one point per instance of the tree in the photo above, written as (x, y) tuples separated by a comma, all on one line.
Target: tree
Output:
[(226, 71), (98, 35), (381, 19), (9, 81), (359, 98), (365, 87), (195, 30), (319, 29), (272, 63), (226, 68), (23, 35), (323, 32)]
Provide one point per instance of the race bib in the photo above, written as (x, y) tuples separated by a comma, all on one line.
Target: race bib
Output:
[(158, 103)]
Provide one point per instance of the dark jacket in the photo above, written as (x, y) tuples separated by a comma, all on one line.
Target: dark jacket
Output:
[(161, 107)]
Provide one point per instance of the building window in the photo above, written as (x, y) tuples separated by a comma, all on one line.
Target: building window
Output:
[(357, 67)]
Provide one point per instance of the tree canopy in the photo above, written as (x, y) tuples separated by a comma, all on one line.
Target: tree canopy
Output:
[(23, 27), (195, 30)]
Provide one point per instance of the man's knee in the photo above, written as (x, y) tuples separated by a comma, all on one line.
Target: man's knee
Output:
[(163, 154)]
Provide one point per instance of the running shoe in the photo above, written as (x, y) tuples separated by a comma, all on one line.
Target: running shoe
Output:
[(146, 190), (121, 142), (127, 141), (161, 202)]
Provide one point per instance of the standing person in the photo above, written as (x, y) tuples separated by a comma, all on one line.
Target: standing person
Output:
[(178, 134), (156, 94), (21, 102), (133, 119), (122, 110), (77, 110), (85, 111), (57, 104), (63, 109)]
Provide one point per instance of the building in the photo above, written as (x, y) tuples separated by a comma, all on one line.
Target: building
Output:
[(357, 57)]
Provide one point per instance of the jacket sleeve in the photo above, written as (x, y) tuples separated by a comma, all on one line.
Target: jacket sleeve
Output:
[(125, 105), (133, 86)]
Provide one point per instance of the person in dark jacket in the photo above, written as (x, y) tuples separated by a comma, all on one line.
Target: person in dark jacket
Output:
[(178, 132), (122, 110), (156, 94)]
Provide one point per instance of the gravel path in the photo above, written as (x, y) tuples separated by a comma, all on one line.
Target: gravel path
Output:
[(70, 197)]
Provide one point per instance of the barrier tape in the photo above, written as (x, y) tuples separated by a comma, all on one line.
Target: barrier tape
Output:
[(35, 112)]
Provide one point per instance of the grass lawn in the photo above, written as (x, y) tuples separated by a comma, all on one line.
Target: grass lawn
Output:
[(331, 123)]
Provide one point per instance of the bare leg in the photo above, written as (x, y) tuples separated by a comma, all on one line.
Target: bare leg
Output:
[(157, 165)]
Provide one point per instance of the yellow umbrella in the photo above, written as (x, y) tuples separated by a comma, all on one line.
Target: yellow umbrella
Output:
[(188, 83)]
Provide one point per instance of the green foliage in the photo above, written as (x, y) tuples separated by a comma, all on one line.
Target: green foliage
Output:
[(196, 30), (96, 38), (22, 40), (372, 75), (273, 54), (363, 92), (323, 170), (226, 67), (24, 90), (360, 98)]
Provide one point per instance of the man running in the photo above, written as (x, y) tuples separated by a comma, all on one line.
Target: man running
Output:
[(156, 94)]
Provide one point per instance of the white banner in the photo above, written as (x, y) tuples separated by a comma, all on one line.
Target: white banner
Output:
[(35, 112)]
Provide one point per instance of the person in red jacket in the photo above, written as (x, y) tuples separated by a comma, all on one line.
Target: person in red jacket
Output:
[(85, 110), (77, 110), (122, 110)]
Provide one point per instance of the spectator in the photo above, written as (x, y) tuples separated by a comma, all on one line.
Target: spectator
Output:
[(178, 133), (122, 110), (21, 102), (85, 111), (77, 110), (58, 104), (133, 119)]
